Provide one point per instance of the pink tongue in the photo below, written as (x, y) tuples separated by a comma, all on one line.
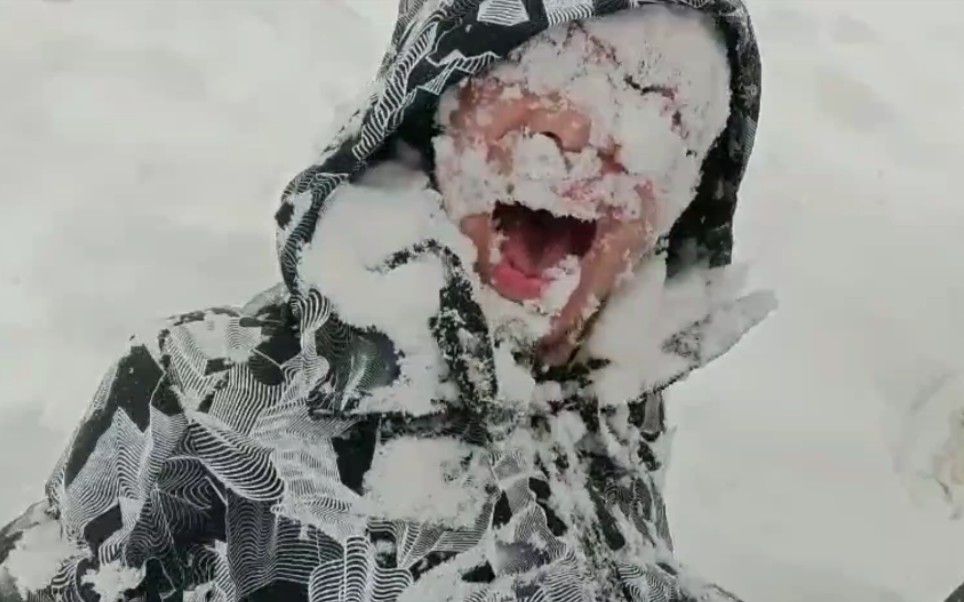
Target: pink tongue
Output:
[(533, 248), (515, 285), (530, 248)]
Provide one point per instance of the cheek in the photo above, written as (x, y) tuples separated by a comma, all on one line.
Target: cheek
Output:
[(446, 170)]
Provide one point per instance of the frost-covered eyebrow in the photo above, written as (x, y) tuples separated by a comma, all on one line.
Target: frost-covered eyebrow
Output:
[(666, 91), (608, 51)]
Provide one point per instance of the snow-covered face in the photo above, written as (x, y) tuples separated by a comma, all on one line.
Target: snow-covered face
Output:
[(551, 194)]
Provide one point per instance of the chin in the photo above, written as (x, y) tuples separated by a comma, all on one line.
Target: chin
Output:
[(523, 321)]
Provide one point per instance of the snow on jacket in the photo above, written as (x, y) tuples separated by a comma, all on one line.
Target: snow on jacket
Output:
[(293, 450)]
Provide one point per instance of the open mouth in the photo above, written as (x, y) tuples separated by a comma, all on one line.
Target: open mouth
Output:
[(533, 244)]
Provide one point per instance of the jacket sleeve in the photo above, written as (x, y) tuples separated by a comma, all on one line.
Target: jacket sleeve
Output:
[(99, 490), (10, 537), (129, 511)]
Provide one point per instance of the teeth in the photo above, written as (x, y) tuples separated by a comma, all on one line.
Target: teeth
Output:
[(582, 214)]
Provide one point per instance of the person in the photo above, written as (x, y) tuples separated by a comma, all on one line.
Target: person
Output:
[(514, 245)]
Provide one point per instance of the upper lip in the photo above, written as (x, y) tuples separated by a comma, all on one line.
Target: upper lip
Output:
[(532, 251), (503, 215)]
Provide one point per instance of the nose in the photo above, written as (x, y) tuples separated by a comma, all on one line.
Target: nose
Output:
[(569, 127)]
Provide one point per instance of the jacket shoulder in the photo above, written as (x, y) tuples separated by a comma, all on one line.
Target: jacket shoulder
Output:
[(209, 341), (171, 367)]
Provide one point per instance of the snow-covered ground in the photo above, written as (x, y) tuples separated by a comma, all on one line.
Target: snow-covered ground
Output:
[(144, 143)]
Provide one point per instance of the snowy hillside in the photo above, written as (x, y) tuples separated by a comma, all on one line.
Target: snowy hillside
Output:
[(143, 145)]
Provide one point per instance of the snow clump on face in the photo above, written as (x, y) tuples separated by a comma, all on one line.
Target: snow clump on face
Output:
[(654, 85)]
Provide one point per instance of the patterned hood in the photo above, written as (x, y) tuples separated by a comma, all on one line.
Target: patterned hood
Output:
[(438, 43)]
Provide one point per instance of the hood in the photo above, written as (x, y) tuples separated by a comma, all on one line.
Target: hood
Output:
[(438, 43)]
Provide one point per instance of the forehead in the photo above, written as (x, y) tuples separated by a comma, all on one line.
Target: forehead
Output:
[(576, 37), (556, 55), (547, 66), (654, 44)]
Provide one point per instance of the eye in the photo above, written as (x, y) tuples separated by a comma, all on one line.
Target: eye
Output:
[(665, 91), (635, 85), (552, 136)]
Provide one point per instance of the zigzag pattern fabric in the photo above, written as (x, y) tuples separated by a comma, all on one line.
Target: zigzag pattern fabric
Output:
[(225, 478)]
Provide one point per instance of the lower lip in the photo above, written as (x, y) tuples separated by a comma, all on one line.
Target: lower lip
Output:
[(512, 284)]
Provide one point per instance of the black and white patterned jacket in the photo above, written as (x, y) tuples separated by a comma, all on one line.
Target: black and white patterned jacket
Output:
[(226, 456)]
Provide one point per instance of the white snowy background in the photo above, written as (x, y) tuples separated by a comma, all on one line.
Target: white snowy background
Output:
[(143, 145)]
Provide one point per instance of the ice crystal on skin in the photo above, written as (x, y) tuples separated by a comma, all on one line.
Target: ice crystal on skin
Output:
[(563, 281), (543, 177)]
